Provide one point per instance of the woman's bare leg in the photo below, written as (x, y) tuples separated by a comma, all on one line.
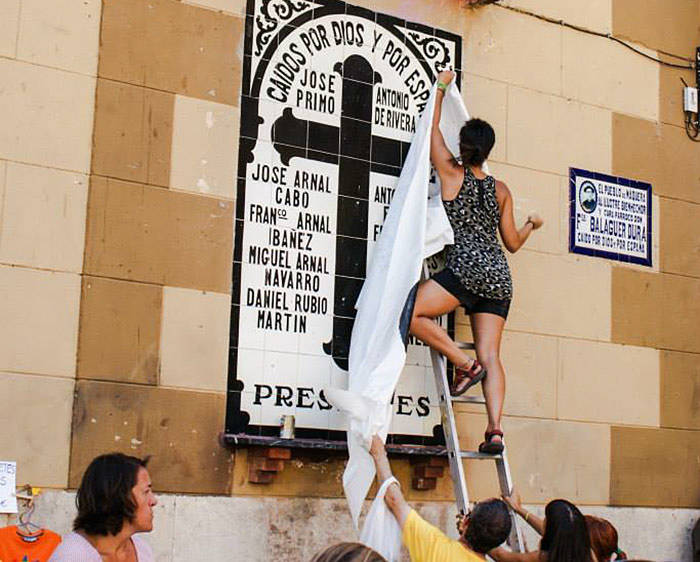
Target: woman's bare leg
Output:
[(432, 301), (487, 329)]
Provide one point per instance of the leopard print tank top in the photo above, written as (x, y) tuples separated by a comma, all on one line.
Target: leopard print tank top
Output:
[(476, 257)]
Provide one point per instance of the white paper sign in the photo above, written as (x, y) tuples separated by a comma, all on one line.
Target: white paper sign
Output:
[(8, 485)]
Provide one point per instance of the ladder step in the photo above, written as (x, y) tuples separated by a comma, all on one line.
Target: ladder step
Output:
[(478, 455), (469, 399)]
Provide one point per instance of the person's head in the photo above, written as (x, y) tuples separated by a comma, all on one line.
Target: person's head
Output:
[(488, 525), (348, 552), (565, 533), (603, 539), (476, 139), (115, 491)]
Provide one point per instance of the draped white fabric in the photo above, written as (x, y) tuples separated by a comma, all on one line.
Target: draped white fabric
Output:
[(415, 228), (381, 530)]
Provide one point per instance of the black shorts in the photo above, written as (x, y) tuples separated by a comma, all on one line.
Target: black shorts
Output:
[(471, 302)]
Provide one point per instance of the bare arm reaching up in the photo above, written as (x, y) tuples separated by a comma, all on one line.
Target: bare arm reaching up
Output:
[(393, 497), (516, 505), (451, 175), (503, 555)]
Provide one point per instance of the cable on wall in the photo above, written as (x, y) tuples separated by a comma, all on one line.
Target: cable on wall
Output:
[(562, 23)]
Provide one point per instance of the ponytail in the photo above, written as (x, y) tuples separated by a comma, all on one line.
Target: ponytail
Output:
[(476, 139), (471, 155)]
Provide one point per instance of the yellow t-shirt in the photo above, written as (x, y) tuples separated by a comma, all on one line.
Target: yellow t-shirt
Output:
[(426, 543)]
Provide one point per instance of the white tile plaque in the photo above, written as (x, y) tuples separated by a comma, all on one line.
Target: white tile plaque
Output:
[(331, 96)]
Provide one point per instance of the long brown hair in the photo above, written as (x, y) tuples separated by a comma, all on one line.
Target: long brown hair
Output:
[(348, 552), (603, 538)]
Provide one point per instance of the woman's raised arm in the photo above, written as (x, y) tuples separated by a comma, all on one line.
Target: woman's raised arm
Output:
[(440, 156)]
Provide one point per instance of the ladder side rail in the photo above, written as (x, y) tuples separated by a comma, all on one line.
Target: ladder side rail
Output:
[(515, 539), (450, 430), (459, 481)]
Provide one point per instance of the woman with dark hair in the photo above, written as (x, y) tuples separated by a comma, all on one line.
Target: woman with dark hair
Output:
[(348, 552), (476, 275), (115, 501), (565, 533), (601, 532), (564, 537)]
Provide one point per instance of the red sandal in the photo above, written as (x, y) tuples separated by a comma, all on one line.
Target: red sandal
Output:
[(464, 379), (491, 447)]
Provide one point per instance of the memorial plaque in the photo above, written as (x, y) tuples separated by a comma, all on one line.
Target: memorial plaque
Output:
[(331, 96), (610, 217)]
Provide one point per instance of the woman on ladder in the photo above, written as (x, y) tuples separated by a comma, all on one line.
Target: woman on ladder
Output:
[(476, 275)]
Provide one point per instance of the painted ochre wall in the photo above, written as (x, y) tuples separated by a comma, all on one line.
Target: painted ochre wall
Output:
[(118, 159)]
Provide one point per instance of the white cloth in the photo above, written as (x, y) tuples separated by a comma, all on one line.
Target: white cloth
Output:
[(381, 530), (415, 228)]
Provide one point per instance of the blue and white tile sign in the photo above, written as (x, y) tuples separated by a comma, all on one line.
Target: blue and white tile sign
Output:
[(330, 98), (610, 217)]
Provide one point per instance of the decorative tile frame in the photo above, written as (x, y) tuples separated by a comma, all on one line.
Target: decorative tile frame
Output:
[(331, 94)]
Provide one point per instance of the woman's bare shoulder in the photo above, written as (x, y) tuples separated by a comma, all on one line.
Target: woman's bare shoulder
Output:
[(502, 191), (501, 186)]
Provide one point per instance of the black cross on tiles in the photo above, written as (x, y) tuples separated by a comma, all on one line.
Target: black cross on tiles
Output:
[(357, 152)]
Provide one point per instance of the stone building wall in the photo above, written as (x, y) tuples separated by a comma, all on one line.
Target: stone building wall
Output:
[(119, 125)]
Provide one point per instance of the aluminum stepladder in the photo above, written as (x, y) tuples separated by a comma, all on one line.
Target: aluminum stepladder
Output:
[(456, 455)]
